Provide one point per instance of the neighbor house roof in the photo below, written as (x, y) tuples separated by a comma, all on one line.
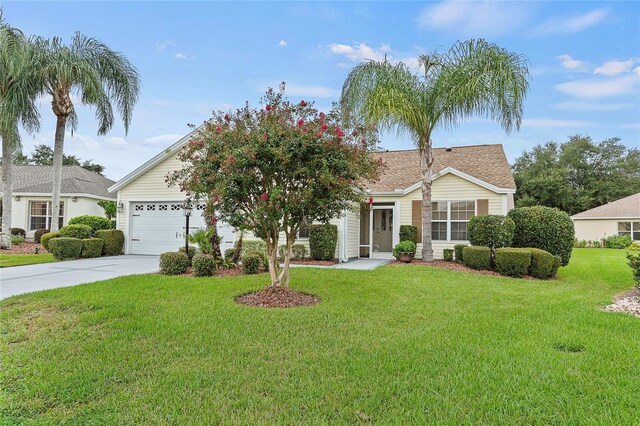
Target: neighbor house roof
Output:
[(484, 164), (624, 208), (75, 180)]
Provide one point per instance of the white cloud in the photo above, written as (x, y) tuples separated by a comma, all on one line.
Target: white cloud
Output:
[(631, 126), (79, 140), (282, 43), (554, 123), (636, 70), (598, 88), (312, 91), (590, 106), (162, 140), (614, 68), (116, 142), (474, 18), (572, 25), (180, 55), (571, 64), (360, 52), (164, 44)]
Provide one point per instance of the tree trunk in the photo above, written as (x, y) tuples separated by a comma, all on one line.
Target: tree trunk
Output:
[(238, 252), (7, 190), (426, 170), (272, 255), (284, 275), (57, 171)]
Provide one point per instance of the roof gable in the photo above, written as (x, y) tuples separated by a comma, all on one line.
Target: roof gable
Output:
[(624, 208)]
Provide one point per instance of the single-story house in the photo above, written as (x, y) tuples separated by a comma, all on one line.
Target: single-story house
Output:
[(620, 217), (79, 194), (468, 181)]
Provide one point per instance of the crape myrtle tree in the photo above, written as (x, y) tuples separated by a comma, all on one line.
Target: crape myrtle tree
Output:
[(270, 170)]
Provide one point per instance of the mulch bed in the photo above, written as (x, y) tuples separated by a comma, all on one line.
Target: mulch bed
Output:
[(277, 297), (453, 266), (312, 262), (627, 302), (24, 248), (233, 272)]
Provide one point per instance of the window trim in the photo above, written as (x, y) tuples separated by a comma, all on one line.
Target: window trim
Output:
[(632, 229), (449, 221), (47, 216)]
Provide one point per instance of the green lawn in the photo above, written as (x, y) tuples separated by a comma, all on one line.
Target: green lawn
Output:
[(7, 260), (395, 345)]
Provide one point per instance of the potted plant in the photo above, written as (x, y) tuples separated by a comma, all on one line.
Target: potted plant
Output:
[(404, 251)]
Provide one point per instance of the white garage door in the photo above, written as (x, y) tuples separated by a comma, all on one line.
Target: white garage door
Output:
[(158, 227)]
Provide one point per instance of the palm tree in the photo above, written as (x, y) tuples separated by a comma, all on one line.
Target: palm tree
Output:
[(99, 76), (473, 77), (18, 91)]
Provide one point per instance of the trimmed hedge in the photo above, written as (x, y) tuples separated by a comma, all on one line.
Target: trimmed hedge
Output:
[(404, 247), (19, 231), (541, 263), (46, 238), (617, 241), (409, 233), (204, 265), (447, 254), (92, 247), (322, 241), (191, 253), (252, 262), (173, 263), (113, 241), (458, 252), (545, 228), (477, 257), (76, 231), (17, 239), (258, 246), (298, 251), (491, 230), (96, 223), (38, 234), (65, 248), (634, 264), (557, 263), (513, 262)]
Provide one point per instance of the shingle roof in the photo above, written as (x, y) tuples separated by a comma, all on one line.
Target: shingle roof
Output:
[(485, 162), (75, 180), (628, 207)]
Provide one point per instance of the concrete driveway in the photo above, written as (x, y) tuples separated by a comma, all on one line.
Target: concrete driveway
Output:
[(28, 278)]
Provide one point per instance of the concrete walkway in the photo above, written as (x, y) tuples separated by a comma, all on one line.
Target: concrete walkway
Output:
[(357, 264), (44, 276)]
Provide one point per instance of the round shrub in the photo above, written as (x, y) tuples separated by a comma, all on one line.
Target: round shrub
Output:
[(557, 262), (477, 257), (76, 231), (545, 228), (447, 254), (113, 241), (191, 253), (409, 233), (541, 263), (513, 262), (17, 239), (404, 247), (299, 251), (458, 252), (65, 248), (46, 238), (228, 253), (491, 231), (282, 251), (173, 263), (617, 241), (96, 223), (322, 241), (19, 231), (204, 265), (252, 262), (258, 246), (92, 247), (38, 234)]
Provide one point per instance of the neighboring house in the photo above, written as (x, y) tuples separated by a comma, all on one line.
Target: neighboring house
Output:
[(32, 186), (468, 181), (620, 217)]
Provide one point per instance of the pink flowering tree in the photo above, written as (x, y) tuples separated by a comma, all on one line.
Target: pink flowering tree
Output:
[(272, 169)]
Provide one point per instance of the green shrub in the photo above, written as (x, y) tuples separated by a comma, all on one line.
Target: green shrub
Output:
[(228, 253), (404, 247), (322, 241), (92, 247), (281, 251), (258, 246), (17, 239), (477, 257), (96, 223), (541, 263), (65, 248), (617, 241), (113, 241), (491, 231), (173, 263), (252, 262), (545, 228), (299, 251), (634, 263), (513, 262), (19, 231), (557, 263), (409, 233), (447, 254), (634, 246), (38, 234), (46, 238), (458, 252), (192, 252), (204, 265), (76, 231)]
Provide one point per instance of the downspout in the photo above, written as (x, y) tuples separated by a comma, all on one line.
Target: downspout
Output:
[(343, 238)]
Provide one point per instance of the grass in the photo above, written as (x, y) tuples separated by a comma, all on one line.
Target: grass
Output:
[(7, 260), (395, 345)]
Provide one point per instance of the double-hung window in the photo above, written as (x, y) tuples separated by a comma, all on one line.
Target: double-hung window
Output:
[(450, 220), (40, 215), (631, 229)]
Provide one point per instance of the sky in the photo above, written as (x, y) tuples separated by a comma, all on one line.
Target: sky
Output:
[(197, 57)]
